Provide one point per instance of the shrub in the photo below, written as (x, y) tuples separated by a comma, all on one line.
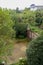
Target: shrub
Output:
[(21, 30), (35, 52), (38, 18)]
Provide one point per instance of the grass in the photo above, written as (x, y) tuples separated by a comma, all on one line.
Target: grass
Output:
[(6, 48)]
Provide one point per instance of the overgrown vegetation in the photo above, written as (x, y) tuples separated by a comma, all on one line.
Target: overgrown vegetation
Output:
[(14, 24), (35, 52), (21, 29)]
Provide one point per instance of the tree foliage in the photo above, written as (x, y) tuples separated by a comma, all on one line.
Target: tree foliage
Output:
[(6, 30), (21, 30), (38, 18)]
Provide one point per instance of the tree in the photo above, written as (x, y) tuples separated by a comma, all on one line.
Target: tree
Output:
[(5, 31), (20, 29), (5, 24), (35, 51), (38, 18), (17, 10)]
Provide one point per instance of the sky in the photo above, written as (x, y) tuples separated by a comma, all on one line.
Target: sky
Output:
[(13, 4)]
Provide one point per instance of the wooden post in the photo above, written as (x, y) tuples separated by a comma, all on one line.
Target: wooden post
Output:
[(29, 34)]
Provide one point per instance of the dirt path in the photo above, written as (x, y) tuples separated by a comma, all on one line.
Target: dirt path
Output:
[(18, 52)]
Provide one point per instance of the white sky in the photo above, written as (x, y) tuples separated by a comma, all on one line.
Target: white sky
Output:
[(19, 3)]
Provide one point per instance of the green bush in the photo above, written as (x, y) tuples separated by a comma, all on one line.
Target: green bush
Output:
[(20, 30), (38, 18), (35, 52)]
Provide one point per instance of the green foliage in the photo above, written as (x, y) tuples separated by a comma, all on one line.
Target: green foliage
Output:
[(5, 47), (6, 31), (21, 30), (1, 61), (5, 24), (21, 62), (14, 23), (35, 52), (38, 18)]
